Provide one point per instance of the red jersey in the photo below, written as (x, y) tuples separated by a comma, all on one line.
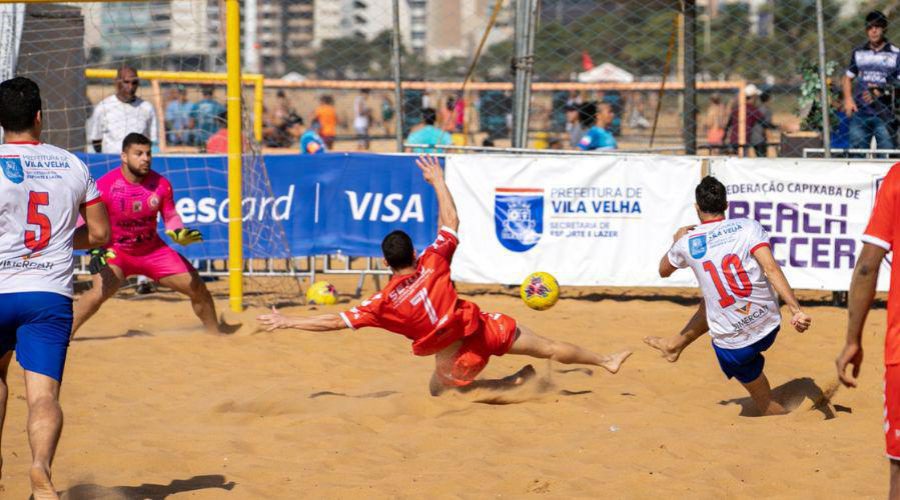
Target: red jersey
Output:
[(422, 306), (883, 230)]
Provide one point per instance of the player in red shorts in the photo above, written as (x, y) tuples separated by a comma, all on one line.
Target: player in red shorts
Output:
[(879, 238), (135, 195), (421, 303)]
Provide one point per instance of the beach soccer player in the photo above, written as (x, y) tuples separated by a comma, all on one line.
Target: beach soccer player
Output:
[(421, 303), (43, 189), (135, 195), (878, 239), (739, 278)]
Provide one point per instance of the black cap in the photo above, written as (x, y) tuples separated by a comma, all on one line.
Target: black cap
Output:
[(876, 18)]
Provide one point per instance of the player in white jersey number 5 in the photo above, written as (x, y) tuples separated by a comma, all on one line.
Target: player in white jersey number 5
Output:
[(737, 273), (42, 190)]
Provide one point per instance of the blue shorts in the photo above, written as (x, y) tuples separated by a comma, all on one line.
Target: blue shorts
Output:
[(746, 363), (37, 325)]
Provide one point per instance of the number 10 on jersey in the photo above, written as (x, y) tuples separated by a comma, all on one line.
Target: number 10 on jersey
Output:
[(735, 276)]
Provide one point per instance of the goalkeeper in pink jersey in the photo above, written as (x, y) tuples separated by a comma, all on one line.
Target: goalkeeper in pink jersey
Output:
[(135, 195)]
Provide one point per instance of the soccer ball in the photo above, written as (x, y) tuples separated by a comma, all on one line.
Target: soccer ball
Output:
[(322, 293), (540, 291)]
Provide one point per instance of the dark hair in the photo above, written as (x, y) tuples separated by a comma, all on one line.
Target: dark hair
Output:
[(134, 138), (587, 114), (429, 116), (398, 250), (710, 196), (20, 101), (876, 18), (208, 90), (487, 142), (293, 119)]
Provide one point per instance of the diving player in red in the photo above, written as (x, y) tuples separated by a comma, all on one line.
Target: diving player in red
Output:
[(135, 195), (421, 303)]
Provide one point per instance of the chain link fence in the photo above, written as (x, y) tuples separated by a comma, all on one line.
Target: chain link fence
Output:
[(331, 64)]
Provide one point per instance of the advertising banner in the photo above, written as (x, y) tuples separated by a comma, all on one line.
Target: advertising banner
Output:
[(298, 205), (586, 220), (814, 210)]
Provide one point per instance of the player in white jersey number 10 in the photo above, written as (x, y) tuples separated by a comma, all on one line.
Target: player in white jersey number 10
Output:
[(42, 191), (739, 278)]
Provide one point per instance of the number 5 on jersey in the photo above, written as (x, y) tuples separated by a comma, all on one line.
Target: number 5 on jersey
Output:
[(36, 241), (731, 266)]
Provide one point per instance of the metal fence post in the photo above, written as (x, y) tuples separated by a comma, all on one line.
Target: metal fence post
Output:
[(526, 21), (398, 90), (689, 116), (826, 107)]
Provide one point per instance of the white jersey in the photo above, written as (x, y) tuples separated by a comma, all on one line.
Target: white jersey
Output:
[(113, 120), (41, 189), (741, 306)]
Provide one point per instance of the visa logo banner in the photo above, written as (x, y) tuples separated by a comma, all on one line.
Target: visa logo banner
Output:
[(311, 204)]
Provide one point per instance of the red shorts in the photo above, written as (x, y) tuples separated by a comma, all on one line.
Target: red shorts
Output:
[(494, 338), (892, 410), (155, 265)]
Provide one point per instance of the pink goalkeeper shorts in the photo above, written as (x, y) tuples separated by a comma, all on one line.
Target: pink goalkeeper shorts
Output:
[(155, 265)]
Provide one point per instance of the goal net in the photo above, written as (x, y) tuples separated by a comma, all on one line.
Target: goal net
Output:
[(73, 51)]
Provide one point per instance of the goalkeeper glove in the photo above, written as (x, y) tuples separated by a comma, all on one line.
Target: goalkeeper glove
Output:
[(184, 236), (99, 259)]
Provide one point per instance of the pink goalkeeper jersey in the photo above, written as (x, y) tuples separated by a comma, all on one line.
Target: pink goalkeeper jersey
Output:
[(134, 208)]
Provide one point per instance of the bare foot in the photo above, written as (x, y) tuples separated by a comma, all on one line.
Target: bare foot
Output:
[(614, 361), (665, 348), (41, 487)]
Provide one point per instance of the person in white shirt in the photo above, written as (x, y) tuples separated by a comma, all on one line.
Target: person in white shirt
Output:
[(121, 114), (739, 278), (362, 115), (42, 191)]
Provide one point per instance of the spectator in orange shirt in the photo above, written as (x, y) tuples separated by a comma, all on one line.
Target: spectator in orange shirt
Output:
[(326, 116), (218, 142)]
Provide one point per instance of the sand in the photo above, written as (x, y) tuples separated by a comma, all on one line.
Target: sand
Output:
[(156, 409)]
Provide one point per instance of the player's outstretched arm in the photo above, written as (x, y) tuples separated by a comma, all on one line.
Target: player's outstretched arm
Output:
[(318, 323), (434, 175), (862, 293), (799, 320), (95, 232)]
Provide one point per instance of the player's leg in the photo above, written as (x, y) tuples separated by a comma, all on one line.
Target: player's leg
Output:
[(671, 347), (192, 285), (105, 284), (761, 393), (42, 341), (528, 343), (4, 396), (45, 419), (894, 493)]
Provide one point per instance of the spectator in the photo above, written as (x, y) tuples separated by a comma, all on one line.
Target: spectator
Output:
[(573, 124), (758, 137), (599, 136), (217, 143), (715, 120), (362, 117), (459, 114), (282, 109), (751, 92), (867, 101), (445, 118), (840, 131), (205, 116), (387, 115), (636, 118), (326, 116), (178, 118), (121, 114), (555, 143), (310, 142), (429, 134)]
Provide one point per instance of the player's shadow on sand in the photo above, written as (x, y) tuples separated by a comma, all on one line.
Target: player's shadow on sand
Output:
[(370, 395), (127, 335), (147, 491), (791, 395)]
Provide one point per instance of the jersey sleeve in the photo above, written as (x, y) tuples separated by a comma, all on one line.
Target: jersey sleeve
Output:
[(880, 231), (364, 315), (171, 219), (677, 255), (758, 236), (91, 195), (852, 69), (445, 244)]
